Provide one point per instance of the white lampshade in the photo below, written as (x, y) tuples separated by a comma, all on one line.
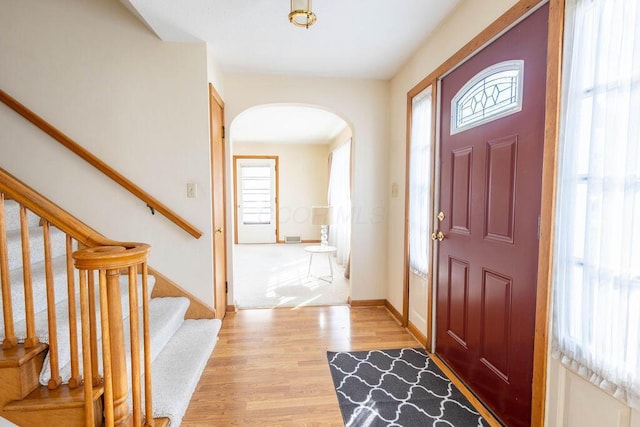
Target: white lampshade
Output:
[(321, 215)]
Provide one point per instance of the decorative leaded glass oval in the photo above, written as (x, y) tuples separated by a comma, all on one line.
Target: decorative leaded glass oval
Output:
[(493, 93)]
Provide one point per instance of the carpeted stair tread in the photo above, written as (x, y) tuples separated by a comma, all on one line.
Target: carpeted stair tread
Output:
[(39, 288), (165, 317), (36, 245), (177, 369), (12, 216), (62, 315), (64, 355)]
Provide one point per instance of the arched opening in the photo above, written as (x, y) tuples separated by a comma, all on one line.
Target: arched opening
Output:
[(288, 163)]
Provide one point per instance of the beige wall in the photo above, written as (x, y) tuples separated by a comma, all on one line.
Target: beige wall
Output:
[(303, 182), (93, 70), (363, 104), (341, 138)]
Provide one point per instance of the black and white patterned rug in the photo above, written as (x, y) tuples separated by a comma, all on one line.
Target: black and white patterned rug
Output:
[(401, 387)]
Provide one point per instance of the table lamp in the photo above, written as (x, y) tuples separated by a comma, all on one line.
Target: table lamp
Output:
[(321, 215)]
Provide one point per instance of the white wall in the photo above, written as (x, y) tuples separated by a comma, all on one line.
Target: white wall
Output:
[(363, 104), (467, 20), (6, 423), (91, 69), (214, 73), (303, 182)]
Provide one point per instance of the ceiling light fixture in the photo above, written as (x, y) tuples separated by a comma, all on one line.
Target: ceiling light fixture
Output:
[(301, 14)]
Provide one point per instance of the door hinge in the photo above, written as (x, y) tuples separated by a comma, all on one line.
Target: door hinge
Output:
[(226, 287), (223, 132)]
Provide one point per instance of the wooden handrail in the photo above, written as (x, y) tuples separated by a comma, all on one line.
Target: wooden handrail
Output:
[(76, 148)]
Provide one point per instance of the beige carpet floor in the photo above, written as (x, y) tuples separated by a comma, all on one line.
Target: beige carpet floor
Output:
[(270, 276)]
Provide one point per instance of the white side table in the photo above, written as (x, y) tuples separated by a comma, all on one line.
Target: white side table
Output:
[(318, 249)]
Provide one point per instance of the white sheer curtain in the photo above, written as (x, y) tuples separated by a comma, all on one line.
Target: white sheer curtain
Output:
[(340, 201), (420, 183), (597, 255)]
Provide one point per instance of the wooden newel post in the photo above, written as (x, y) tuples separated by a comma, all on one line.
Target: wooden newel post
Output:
[(109, 260), (120, 382)]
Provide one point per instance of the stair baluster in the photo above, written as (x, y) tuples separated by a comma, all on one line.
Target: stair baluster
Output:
[(55, 380), (31, 339), (147, 347), (86, 350), (106, 350), (95, 374), (10, 339), (134, 333), (118, 353), (75, 379)]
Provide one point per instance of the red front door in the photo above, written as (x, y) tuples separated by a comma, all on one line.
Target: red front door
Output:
[(490, 185)]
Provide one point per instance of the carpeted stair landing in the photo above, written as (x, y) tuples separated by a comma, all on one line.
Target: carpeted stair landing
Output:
[(180, 348)]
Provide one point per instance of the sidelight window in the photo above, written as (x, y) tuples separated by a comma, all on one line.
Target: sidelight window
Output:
[(420, 183), (597, 244), (340, 200)]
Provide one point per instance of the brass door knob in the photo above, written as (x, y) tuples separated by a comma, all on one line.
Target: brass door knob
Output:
[(439, 236)]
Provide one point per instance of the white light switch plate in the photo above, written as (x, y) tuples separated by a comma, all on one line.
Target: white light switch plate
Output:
[(394, 189), (192, 190)]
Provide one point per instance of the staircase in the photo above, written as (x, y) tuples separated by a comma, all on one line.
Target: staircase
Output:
[(49, 337)]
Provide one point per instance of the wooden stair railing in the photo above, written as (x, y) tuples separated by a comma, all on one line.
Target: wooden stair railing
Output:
[(153, 203), (108, 261), (98, 257)]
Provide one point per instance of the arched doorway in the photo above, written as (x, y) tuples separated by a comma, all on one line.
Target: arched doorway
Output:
[(285, 159)]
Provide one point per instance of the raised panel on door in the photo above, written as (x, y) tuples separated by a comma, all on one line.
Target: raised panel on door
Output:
[(495, 323), (460, 209), (458, 299), (500, 188)]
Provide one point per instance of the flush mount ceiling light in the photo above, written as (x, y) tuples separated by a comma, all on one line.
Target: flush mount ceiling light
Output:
[(301, 14)]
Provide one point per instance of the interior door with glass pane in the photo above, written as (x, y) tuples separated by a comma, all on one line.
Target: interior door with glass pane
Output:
[(256, 200)]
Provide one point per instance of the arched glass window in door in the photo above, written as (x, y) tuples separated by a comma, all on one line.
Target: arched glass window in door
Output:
[(493, 93)]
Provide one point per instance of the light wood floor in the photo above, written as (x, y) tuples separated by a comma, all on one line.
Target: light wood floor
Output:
[(270, 366)]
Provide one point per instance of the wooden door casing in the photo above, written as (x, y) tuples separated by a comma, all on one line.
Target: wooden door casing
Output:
[(216, 110), (490, 188)]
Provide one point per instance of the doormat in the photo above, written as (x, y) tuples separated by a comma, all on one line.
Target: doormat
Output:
[(402, 387)]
